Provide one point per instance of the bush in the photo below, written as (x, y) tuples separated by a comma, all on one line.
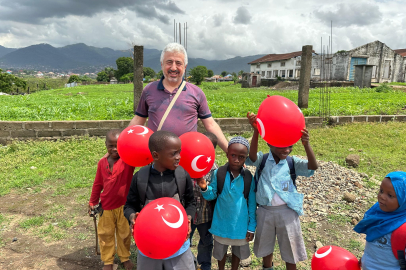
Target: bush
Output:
[(147, 79), (74, 78), (383, 88)]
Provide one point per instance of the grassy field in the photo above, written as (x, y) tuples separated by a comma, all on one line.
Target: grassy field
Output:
[(102, 102), (45, 187)]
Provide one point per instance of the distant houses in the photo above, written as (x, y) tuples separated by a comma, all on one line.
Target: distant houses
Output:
[(388, 65)]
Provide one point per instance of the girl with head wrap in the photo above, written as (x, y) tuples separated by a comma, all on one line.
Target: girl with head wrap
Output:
[(384, 217)]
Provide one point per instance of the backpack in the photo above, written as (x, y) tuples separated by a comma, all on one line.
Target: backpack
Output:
[(291, 165), (143, 177), (221, 177)]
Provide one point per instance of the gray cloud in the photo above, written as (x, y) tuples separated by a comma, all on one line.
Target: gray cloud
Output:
[(218, 20), (359, 14), (35, 12), (242, 16)]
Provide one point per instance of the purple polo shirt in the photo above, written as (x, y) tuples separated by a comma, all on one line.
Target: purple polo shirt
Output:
[(190, 105)]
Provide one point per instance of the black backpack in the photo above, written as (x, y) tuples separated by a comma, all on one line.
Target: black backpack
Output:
[(143, 177), (291, 165), (221, 177)]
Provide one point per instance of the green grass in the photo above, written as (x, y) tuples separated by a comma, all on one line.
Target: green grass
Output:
[(67, 165), (398, 83), (32, 222), (109, 102)]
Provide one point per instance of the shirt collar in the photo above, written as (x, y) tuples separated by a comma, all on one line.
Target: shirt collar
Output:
[(242, 172), (161, 84), (270, 157)]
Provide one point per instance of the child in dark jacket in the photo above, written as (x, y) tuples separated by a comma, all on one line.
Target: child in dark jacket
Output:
[(165, 149)]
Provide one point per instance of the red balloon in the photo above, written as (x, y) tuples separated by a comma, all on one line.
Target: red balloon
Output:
[(161, 228), (280, 121), (132, 146), (334, 258), (197, 154), (398, 240)]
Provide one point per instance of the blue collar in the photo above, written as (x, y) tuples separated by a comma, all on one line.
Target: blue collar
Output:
[(161, 84), (242, 173), (270, 157)]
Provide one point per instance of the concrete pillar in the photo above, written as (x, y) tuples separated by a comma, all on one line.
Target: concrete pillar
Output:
[(138, 74), (305, 74)]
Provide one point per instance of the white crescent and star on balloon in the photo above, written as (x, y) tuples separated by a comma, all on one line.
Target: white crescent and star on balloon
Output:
[(324, 254), (194, 163), (144, 131), (174, 225)]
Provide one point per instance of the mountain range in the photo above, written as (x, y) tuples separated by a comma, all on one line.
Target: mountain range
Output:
[(81, 58)]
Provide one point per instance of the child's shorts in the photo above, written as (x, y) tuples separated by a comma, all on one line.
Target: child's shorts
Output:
[(282, 222), (219, 250), (181, 262)]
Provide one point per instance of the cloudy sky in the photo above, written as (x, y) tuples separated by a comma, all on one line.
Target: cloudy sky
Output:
[(217, 29)]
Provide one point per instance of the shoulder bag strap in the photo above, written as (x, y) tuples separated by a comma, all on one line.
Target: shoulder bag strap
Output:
[(180, 89)]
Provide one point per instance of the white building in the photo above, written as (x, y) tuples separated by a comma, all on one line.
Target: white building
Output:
[(285, 66)]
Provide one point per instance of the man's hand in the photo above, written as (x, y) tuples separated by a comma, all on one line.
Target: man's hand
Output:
[(252, 117), (249, 236), (133, 217), (189, 230), (305, 137), (202, 183), (90, 210)]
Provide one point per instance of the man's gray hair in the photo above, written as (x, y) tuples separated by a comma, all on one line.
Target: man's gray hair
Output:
[(174, 47)]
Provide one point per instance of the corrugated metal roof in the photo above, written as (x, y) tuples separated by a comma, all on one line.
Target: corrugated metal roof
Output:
[(276, 57), (402, 52)]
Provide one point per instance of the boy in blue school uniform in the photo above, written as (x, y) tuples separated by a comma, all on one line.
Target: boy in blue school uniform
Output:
[(280, 205), (234, 220)]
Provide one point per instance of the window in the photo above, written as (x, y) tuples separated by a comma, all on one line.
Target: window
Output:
[(269, 65), (298, 62), (282, 73), (297, 73), (269, 74), (290, 73), (316, 72), (283, 64), (275, 73), (263, 74), (258, 65)]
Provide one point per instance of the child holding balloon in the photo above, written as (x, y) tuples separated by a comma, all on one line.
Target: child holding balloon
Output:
[(113, 177), (234, 220), (279, 202), (381, 221), (161, 181)]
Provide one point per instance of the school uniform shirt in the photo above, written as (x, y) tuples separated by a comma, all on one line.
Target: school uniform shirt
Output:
[(275, 186), (114, 184), (378, 255), (232, 216)]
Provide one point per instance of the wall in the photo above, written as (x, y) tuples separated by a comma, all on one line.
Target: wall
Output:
[(52, 130)]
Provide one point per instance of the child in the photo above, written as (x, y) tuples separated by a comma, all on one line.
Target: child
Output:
[(164, 178), (202, 219), (388, 214), (279, 202), (234, 219), (113, 176)]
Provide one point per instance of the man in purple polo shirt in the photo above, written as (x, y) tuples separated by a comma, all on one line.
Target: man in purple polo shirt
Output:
[(190, 105)]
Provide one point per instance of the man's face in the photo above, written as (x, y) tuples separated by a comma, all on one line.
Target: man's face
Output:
[(169, 157), (173, 66)]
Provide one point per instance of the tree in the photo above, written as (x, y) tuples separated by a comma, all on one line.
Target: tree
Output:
[(235, 77), (110, 73), (224, 73), (129, 77), (102, 76), (159, 74), (85, 78), (210, 73), (147, 79), (198, 73), (7, 81), (148, 72), (74, 78), (240, 72), (124, 65)]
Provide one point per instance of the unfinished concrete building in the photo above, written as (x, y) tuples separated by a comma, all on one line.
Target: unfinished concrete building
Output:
[(388, 64)]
